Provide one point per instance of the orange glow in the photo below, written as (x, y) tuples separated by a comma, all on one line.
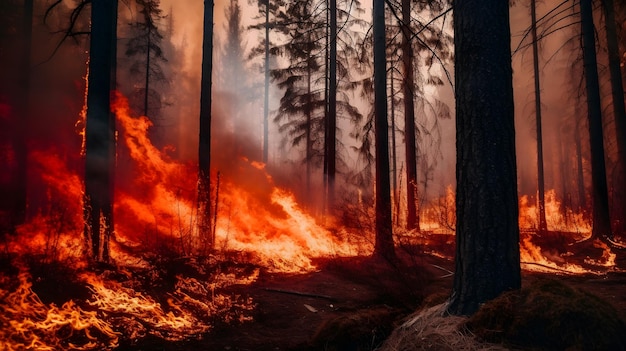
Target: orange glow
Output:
[(533, 259), (28, 323), (569, 221), (253, 214)]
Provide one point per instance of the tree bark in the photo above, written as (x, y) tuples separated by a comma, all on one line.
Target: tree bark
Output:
[(543, 226), (384, 246), (619, 111), (601, 220), (409, 119), (331, 118), (100, 129), (204, 149), (487, 237), (21, 135)]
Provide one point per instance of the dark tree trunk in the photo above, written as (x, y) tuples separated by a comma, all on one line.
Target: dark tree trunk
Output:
[(100, 129), (266, 102), (487, 237), (204, 150), (394, 158), (384, 246), (601, 221), (147, 79), (543, 226), (582, 197), (308, 113), (331, 117), (21, 120), (412, 221), (617, 90)]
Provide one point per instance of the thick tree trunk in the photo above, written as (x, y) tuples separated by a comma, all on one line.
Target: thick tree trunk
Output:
[(601, 220), (619, 111), (204, 150), (100, 129), (543, 226), (384, 246), (331, 118), (412, 221), (487, 237), (21, 120)]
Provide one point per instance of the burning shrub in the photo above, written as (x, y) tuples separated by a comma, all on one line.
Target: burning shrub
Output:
[(550, 315)]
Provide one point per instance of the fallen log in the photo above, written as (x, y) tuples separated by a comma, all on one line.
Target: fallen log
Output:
[(300, 293)]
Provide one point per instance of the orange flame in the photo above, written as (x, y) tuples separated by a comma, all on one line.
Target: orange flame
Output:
[(30, 324)]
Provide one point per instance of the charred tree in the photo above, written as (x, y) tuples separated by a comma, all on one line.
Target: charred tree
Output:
[(267, 84), (384, 246), (20, 135), (409, 118), (100, 129), (601, 220), (331, 117), (543, 226), (204, 147), (487, 233), (617, 90)]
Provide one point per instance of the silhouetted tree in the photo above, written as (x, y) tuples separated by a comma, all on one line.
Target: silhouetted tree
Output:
[(543, 226), (601, 220), (204, 147), (619, 110), (100, 129), (384, 245), (487, 233)]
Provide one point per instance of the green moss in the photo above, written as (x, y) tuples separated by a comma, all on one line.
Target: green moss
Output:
[(550, 315)]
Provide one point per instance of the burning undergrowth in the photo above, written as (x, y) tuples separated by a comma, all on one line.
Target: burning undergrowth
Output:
[(115, 306), (171, 278)]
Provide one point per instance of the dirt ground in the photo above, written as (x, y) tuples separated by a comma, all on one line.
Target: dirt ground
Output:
[(354, 298)]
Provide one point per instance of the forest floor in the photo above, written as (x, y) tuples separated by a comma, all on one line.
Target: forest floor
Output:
[(346, 304), (355, 303)]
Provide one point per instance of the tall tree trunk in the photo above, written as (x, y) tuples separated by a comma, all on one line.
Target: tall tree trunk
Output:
[(204, 150), (100, 129), (487, 232), (147, 80), (601, 221), (394, 158), (384, 246), (331, 118), (21, 135), (412, 221), (308, 112), (543, 226), (582, 197), (266, 102), (619, 111)]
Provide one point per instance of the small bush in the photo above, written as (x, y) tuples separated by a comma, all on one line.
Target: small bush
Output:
[(550, 315)]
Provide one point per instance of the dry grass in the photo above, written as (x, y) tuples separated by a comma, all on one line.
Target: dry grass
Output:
[(434, 329)]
